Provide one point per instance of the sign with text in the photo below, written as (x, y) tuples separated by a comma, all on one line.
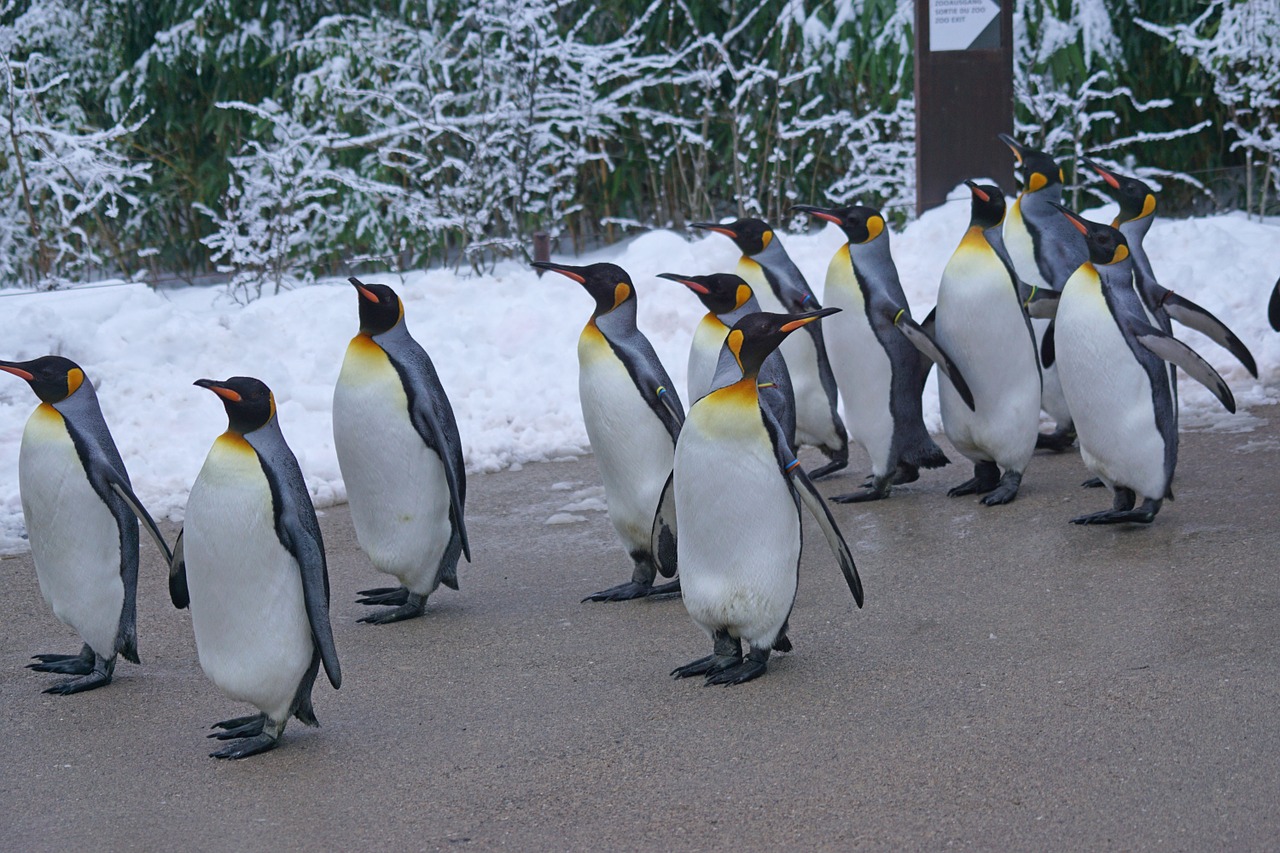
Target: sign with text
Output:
[(964, 25)]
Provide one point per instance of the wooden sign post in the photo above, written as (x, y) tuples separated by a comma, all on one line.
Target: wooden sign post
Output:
[(964, 95)]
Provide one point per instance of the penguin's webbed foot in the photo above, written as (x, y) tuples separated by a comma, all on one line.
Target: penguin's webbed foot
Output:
[(634, 589), (704, 666), (81, 664), (751, 667), (986, 476), (1094, 483), (239, 727), (1059, 440), (1144, 514), (384, 595), (871, 494), (92, 681), (413, 606), (1005, 491), (247, 747), (838, 461)]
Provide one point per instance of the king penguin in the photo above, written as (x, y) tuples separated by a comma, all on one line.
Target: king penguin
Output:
[(82, 522), (728, 298), (738, 491), (1137, 213), (1112, 363), (400, 457), (633, 415), (780, 286), (250, 564), (1045, 251), (873, 345), (981, 322)]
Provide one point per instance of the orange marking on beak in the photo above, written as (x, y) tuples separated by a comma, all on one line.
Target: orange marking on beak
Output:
[(18, 372)]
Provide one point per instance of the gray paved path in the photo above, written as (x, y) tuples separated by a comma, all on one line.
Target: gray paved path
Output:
[(1015, 682)]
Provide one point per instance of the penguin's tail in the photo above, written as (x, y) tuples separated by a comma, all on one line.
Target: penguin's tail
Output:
[(926, 454)]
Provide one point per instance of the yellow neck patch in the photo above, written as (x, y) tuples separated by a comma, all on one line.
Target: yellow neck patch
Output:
[(1122, 252), (1148, 206), (765, 239), (734, 340), (744, 293), (75, 378), (875, 225), (1037, 181), (620, 294)]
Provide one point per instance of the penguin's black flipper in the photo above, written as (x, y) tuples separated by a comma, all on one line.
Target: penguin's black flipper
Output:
[(818, 507), (1047, 352), (1176, 352), (912, 331), (663, 539), (178, 593), (1273, 307), (1040, 302), (1195, 317), (131, 500)]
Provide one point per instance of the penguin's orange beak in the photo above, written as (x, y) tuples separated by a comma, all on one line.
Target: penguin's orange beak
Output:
[(692, 285), (717, 228), (564, 271), (1105, 175), (18, 372), (978, 192), (217, 388)]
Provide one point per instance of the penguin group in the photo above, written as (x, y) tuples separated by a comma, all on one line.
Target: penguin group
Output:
[(1038, 309)]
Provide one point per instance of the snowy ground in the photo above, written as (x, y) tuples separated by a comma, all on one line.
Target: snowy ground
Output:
[(505, 346)]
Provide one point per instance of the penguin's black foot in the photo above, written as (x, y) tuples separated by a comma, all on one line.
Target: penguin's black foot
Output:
[(92, 681), (1094, 483), (838, 461), (249, 746), (986, 476), (81, 664), (413, 606), (708, 665), (1059, 440), (384, 595), (871, 494), (1005, 491), (1144, 514), (239, 727), (634, 589), (745, 671)]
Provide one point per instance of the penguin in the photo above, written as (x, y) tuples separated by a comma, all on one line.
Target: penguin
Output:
[(632, 414), (1045, 251), (82, 521), (1112, 363), (1137, 213), (250, 565), (728, 298), (401, 459), (780, 286), (873, 345), (738, 490), (981, 321), (1273, 307)]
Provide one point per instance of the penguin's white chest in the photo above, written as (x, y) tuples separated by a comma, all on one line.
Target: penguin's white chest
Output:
[(981, 326), (739, 539), (632, 447), (75, 542), (1108, 391), (861, 366), (250, 620), (1022, 248), (704, 353), (396, 485)]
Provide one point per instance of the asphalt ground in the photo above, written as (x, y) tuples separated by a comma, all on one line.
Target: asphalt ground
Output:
[(1014, 682)]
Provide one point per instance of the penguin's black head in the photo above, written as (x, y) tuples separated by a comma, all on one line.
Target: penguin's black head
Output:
[(608, 284), (1106, 244), (987, 208), (52, 377), (719, 292), (380, 308), (1039, 170), (248, 401), (751, 236), (1135, 197), (859, 223), (755, 336)]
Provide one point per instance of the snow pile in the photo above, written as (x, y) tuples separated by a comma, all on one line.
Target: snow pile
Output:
[(505, 346)]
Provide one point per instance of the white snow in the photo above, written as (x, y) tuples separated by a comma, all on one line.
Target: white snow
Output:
[(505, 346)]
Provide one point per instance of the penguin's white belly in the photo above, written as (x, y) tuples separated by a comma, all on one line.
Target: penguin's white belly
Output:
[(704, 353), (1110, 395), (863, 372), (396, 485), (739, 539), (75, 542), (982, 328), (247, 609), (1021, 248), (633, 449)]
